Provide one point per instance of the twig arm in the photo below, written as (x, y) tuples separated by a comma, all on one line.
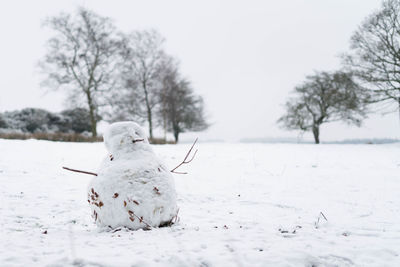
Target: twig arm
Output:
[(85, 172), (185, 161)]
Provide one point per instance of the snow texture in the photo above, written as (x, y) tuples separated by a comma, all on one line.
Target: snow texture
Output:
[(240, 205), (133, 189)]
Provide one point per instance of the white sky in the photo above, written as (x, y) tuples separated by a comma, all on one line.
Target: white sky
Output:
[(243, 57)]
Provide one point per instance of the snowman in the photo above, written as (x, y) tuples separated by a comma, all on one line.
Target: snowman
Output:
[(133, 188)]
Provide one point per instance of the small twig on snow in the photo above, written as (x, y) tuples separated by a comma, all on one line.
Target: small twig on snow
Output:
[(131, 213), (85, 172), (175, 218), (319, 217), (323, 216), (185, 161)]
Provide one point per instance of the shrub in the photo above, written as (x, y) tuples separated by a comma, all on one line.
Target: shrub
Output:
[(65, 137)]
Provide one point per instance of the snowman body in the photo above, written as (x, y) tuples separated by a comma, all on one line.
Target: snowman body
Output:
[(133, 189)]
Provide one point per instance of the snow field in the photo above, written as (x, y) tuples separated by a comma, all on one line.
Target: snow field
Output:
[(240, 205)]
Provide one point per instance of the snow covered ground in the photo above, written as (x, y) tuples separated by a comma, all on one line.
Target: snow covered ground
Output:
[(240, 205)]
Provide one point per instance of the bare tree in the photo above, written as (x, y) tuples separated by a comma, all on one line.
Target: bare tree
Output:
[(168, 75), (375, 53), (180, 109), (324, 97), (127, 102), (82, 58), (145, 54)]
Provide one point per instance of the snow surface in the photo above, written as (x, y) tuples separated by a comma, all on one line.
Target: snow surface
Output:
[(240, 205)]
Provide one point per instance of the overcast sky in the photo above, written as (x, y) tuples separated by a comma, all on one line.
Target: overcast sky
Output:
[(243, 57)]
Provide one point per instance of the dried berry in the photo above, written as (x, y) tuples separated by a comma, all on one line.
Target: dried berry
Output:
[(156, 190)]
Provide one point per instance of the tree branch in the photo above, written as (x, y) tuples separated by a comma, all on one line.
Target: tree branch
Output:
[(185, 161), (74, 170)]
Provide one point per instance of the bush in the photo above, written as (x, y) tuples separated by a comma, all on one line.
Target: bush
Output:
[(34, 120), (77, 120), (65, 137), (27, 120), (3, 123)]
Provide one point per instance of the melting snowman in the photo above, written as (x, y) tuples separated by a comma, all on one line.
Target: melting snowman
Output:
[(133, 188)]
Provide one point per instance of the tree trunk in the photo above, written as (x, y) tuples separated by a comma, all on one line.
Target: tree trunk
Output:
[(176, 133), (149, 115), (92, 115), (150, 123), (165, 126), (315, 130), (399, 107)]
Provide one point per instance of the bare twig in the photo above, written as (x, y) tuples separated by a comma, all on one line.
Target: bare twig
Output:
[(137, 140), (85, 172), (324, 216), (131, 213), (175, 218), (185, 161), (319, 218)]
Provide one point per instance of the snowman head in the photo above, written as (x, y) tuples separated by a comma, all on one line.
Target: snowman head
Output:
[(125, 137)]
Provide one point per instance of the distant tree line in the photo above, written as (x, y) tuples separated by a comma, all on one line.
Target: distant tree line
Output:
[(35, 120), (370, 75), (119, 76)]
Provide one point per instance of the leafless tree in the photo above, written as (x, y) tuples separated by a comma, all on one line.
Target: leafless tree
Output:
[(168, 75), (324, 97), (127, 102), (144, 53), (82, 57), (180, 109), (375, 53)]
